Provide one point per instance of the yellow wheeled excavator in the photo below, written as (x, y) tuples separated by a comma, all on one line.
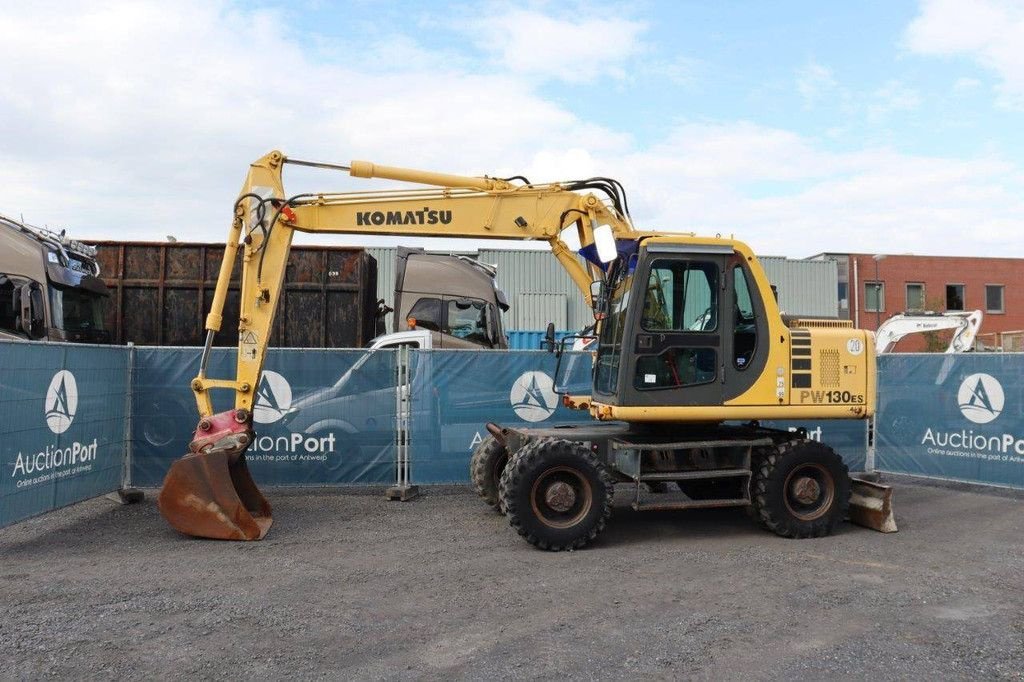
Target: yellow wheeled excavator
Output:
[(691, 352)]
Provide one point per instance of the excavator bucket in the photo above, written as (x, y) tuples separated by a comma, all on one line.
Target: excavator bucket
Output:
[(209, 492), (871, 505)]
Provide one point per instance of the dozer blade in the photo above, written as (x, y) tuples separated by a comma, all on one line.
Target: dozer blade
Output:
[(871, 505), (209, 492)]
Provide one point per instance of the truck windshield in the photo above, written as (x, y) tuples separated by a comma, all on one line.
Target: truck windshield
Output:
[(609, 347), (75, 310)]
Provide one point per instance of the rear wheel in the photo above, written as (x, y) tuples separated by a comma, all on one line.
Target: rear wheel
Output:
[(557, 494), (801, 490), (485, 467)]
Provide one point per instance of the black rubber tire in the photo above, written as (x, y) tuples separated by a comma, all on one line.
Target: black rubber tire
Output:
[(532, 465), (756, 461), (773, 503), (485, 468)]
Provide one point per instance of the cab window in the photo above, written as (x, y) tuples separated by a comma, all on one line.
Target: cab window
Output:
[(745, 339), (427, 313), (468, 320), (676, 367), (9, 308), (682, 296)]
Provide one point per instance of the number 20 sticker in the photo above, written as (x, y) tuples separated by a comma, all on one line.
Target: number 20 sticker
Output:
[(855, 346)]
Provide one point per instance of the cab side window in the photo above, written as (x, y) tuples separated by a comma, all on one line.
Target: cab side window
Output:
[(681, 300), (745, 339), (10, 310), (682, 296), (427, 313)]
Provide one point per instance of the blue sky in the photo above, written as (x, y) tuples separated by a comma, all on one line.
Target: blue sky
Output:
[(797, 126)]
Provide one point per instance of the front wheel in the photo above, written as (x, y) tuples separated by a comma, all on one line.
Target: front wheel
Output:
[(801, 489), (557, 494)]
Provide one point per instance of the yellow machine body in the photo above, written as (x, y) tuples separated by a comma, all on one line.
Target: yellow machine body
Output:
[(813, 370)]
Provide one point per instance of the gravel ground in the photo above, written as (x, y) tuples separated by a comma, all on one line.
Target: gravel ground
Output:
[(350, 586)]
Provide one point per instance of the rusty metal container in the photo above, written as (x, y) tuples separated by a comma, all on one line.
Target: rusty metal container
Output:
[(161, 291)]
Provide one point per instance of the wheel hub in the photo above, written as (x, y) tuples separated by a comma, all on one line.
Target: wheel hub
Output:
[(806, 490), (809, 491), (560, 496)]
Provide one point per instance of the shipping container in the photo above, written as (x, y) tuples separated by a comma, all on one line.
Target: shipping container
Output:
[(161, 292)]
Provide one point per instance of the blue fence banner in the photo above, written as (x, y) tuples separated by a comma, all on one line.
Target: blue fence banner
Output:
[(328, 417), (322, 417), (952, 416), (455, 393), (62, 425)]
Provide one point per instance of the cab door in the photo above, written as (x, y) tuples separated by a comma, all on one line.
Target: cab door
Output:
[(682, 329), (748, 330)]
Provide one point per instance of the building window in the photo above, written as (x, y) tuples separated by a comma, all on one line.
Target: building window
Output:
[(915, 296), (994, 298), (874, 297), (843, 304), (954, 297)]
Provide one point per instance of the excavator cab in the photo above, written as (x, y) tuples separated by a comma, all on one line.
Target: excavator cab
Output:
[(682, 328)]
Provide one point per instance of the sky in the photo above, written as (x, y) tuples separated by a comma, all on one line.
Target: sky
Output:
[(887, 126)]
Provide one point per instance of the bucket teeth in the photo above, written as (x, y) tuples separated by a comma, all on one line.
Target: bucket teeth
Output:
[(212, 495), (871, 506)]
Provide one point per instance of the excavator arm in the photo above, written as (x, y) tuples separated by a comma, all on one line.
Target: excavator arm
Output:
[(209, 492), (965, 326)]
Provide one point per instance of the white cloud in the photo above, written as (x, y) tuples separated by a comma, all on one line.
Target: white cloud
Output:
[(578, 47), (124, 117), (991, 32), (868, 200), (139, 121)]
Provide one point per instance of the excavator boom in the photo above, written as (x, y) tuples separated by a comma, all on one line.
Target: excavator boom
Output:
[(209, 492)]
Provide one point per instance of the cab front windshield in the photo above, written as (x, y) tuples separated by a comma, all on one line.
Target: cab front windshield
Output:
[(74, 310), (609, 348)]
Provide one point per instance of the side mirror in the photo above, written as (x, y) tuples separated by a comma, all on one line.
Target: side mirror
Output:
[(549, 338), (32, 319), (604, 241)]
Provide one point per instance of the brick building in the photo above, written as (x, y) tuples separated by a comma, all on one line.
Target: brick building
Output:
[(874, 287)]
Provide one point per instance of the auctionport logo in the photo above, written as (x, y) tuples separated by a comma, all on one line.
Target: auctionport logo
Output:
[(64, 458), (273, 398), (61, 401), (533, 396), (980, 398)]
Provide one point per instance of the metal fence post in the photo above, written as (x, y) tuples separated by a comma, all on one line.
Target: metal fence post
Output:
[(126, 494), (403, 489), (871, 436)]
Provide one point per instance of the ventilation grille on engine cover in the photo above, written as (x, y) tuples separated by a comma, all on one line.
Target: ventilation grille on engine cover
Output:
[(829, 360), (832, 324)]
